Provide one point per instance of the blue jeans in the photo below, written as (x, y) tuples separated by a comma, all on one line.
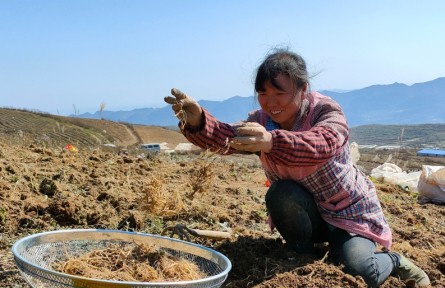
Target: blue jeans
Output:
[(296, 216)]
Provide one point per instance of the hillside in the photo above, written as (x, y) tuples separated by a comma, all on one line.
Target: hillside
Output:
[(378, 142), (407, 136), (20, 126)]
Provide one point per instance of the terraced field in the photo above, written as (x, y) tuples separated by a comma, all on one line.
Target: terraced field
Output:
[(25, 126), (20, 126), (407, 136)]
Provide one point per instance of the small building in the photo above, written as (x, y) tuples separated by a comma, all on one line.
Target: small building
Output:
[(431, 153)]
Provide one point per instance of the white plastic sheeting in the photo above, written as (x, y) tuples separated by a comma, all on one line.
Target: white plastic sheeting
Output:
[(431, 184), (391, 173)]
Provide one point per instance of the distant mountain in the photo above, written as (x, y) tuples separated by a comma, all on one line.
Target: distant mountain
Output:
[(230, 111), (394, 104), (378, 104)]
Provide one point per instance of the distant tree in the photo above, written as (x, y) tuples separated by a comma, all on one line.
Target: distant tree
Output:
[(76, 111), (101, 108)]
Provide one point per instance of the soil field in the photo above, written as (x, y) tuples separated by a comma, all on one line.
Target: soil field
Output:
[(44, 187)]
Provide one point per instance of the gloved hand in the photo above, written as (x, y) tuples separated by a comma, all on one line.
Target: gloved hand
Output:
[(186, 108), (252, 137)]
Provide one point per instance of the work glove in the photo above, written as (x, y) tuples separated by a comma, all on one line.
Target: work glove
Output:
[(252, 137), (186, 108)]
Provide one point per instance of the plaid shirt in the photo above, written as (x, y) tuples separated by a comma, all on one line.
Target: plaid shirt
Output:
[(315, 154)]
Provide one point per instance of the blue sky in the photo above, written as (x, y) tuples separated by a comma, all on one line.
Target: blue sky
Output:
[(61, 54)]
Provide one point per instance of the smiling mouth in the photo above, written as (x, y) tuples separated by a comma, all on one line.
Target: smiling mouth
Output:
[(276, 112)]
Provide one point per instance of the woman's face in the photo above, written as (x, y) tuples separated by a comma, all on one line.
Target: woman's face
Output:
[(281, 104)]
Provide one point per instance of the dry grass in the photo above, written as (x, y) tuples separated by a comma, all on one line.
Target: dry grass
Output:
[(158, 201), (201, 177)]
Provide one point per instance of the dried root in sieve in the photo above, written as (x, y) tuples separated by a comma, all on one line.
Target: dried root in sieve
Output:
[(140, 263)]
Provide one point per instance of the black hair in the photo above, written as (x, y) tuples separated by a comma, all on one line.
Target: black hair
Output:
[(282, 61)]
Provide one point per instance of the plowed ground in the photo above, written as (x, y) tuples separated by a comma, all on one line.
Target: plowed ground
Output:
[(44, 187)]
